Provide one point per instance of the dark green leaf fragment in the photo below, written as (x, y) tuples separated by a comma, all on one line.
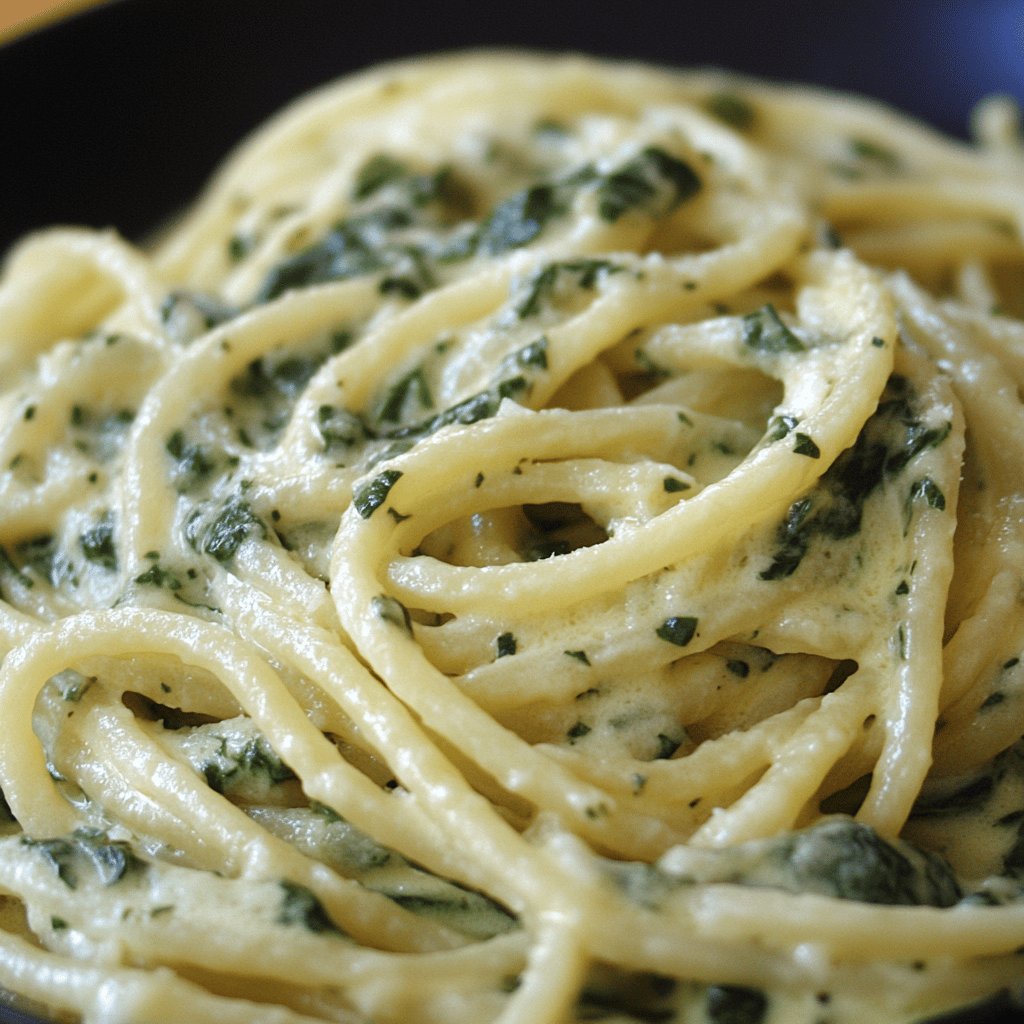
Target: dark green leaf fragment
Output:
[(891, 438), (412, 385), (735, 1004), (532, 356), (109, 860), (380, 170), (368, 498), (852, 861), (804, 444), (667, 746), (506, 645), (222, 536), (339, 428), (793, 541), (97, 542), (731, 108), (654, 181), (541, 287), (157, 576), (764, 331), (678, 630), (299, 906), (866, 149), (930, 491), (192, 462), (780, 426), (520, 219)]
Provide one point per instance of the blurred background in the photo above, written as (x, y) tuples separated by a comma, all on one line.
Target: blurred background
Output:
[(116, 112)]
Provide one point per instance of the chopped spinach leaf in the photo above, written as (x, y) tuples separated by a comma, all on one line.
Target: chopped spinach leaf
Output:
[(805, 445), (577, 731), (108, 860), (764, 331), (882, 156), (97, 542), (338, 428), (299, 906), (411, 385), (380, 170), (192, 462), (520, 219), (678, 629), (542, 285), (735, 1004), (731, 108), (368, 498), (893, 436), (222, 535), (506, 645), (654, 181), (157, 576)]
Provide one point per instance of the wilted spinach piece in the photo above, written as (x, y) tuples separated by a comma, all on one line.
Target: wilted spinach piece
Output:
[(221, 534), (654, 181), (894, 435), (86, 850), (97, 542), (735, 1004), (299, 906)]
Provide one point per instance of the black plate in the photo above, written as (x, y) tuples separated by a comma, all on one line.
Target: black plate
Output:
[(117, 115)]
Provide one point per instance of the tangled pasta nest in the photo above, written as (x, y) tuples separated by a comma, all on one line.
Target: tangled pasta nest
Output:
[(541, 540)]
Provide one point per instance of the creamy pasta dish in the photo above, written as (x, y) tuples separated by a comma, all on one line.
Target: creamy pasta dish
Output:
[(541, 540)]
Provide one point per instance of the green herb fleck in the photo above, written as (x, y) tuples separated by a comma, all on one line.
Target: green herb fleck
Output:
[(805, 445), (368, 498), (733, 1004), (506, 645), (928, 489), (413, 384), (299, 906), (577, 731), (883, 156), (223, 536), (378, 171), (97, 542), (157, 576), (339, 428), (780, 426), (764, 331), (678, 629), (731, 108), (653, 181)]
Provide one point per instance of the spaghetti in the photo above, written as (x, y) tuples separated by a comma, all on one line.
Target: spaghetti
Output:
[(540, 540)]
